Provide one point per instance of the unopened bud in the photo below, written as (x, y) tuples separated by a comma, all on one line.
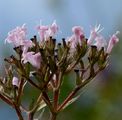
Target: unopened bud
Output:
[(93, 55), (78, 80), (15, 81)]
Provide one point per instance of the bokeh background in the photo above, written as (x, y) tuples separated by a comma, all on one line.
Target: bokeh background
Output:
[(102, 98)]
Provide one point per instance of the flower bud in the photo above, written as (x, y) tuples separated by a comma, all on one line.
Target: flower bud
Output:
[(102, 59), (92, 55), (78, 79), (113, 40), (15, 81)]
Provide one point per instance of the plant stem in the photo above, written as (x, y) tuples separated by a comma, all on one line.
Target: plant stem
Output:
[(53, 116), (56, 97), (20, 91), (47, 101), (70, 96), (57, 90), (8, 101), (18, 111), (75, 91), (32, 83), (30, 116)]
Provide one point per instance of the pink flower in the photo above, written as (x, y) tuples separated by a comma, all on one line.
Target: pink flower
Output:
[(100, 42), (15, 81), (32, 58), (53, 29), (42, 31), (113, 40), (76, 37), (18, 37), (78, 31), (27, 44), (94, 33), (47, 31)]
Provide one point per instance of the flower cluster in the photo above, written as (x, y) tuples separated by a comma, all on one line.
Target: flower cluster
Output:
[(43, 64)]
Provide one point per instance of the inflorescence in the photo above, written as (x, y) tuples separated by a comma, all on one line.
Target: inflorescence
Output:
[(43, 64)]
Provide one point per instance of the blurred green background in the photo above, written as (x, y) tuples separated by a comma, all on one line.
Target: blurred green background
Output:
[(102, 98)]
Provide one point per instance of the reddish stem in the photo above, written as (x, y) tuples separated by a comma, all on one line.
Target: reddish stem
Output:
[(6, 100)]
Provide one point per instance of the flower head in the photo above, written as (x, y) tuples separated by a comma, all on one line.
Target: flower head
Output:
[(78, 31), (42, 31), (32, 58), (113, 40), (53, 29), (46, 31), (18, 37), (76, 37), (100, 42), (94, 33)]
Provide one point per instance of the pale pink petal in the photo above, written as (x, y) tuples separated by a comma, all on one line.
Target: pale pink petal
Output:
[(53, 29), (93, 34), (42, 30), (100, 42), (113, 40), (46, 31), (78, 31), (32, 58), (17, 36)]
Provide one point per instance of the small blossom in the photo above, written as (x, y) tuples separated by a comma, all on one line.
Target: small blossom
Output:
[(113, 40), (27, 44), (78, 31), (76, 37), (100, 42), (18, 37), (15, 81), (42, 31), (94, 33), (53, 29), (46, 31), (32, 58)]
